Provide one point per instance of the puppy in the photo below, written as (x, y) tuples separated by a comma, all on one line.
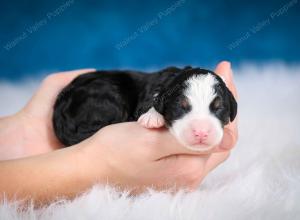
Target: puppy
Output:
[(193, 103)]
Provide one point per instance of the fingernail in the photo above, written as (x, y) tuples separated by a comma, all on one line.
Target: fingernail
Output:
[(226, 63)]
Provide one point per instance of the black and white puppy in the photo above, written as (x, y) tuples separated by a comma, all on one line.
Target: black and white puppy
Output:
[(193, 103)]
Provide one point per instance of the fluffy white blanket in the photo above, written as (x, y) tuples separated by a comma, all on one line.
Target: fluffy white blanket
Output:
[(260, 180)]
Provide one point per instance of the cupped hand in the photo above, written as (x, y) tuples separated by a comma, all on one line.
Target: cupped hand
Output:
[(124, 154), (137, 158), (35, 119)]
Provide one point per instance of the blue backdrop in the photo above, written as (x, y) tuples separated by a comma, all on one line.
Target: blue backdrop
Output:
[(43, 36)]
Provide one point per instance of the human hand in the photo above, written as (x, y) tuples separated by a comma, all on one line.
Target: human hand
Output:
[(137, 158), (125, 154), (190, 168), (32, 126), (134, 158)]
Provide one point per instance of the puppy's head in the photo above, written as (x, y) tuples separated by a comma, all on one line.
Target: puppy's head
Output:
[(196, 106)]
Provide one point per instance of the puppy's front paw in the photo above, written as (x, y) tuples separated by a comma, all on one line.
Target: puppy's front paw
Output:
[(151, 119)]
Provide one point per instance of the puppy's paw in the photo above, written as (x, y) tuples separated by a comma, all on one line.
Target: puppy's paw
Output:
[(151, 119)]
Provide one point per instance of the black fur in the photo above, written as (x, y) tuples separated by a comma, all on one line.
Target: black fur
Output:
[(228, 106), (94, 100)]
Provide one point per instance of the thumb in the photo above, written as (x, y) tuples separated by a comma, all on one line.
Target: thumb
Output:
[(224, 70)]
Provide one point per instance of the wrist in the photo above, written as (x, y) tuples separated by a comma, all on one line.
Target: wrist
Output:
[(92, 164), (11, 137)]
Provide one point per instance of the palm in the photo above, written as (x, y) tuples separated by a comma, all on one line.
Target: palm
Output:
[(37, 114)]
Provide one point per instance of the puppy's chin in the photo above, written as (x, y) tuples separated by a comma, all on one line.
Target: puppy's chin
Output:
[(201, 147), (205, 146)]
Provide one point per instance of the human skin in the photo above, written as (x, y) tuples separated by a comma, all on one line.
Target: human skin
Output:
[(125, 155)]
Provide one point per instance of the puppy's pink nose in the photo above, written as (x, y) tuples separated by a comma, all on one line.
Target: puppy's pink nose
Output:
[(201, 134)]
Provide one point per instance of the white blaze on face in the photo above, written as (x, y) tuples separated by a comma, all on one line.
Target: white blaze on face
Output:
[(199, 129)]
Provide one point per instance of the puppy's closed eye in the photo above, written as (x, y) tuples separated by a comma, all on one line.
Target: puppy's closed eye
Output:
[(184, 103), (216, 104)]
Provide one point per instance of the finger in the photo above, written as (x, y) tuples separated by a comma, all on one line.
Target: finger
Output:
[(51, 86), (214, 160), (74, 73), (230, 131), (63, 78), (167, 145), (184, 170), (186, 161), (230, 137), (224, 70)]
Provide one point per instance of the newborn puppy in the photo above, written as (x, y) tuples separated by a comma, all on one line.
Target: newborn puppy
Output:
[(193, 103)]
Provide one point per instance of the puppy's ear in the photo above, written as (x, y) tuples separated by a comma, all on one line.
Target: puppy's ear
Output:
[(164, 90), (232, 104), (158, 102), (188, 67)]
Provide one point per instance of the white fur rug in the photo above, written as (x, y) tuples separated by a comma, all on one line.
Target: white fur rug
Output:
[(260, 180)]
